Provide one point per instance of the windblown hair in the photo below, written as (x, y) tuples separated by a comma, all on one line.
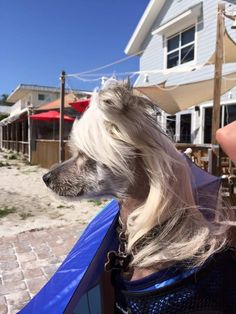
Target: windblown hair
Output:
[(168, 227)]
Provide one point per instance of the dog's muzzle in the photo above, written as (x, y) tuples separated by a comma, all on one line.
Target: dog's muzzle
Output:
[(47, 178)]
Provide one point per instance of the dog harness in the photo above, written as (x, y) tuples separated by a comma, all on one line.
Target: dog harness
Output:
[(210, 289)]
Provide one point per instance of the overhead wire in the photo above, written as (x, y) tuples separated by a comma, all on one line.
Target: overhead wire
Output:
[(90, 76), (116, 62)]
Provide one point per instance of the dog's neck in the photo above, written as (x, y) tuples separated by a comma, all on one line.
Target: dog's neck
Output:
[(127, 207), (137, 194)]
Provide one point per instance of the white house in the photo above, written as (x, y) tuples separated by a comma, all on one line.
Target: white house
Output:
[(179, 33), (33, 96)]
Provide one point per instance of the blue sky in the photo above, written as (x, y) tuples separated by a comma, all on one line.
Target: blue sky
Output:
[(40, 38)]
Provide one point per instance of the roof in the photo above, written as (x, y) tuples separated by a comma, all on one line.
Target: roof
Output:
[(50, 116), (55, 104), (143, 27), (23, 89), (14, 117)]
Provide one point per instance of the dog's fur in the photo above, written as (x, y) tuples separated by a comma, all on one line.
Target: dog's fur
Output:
[(119, 149)]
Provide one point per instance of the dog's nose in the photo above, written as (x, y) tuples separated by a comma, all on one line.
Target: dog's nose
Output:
[(46, 178)]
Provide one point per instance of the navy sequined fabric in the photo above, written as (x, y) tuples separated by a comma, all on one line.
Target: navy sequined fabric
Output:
[(212, 289)]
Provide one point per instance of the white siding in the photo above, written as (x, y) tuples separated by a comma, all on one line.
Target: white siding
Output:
[(153, 56)]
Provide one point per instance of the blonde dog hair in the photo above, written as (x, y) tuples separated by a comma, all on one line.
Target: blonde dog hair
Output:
[(116, 129)]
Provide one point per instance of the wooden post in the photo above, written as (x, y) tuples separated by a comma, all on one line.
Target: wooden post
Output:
[(23, 136), (12, 136), (61, 127), (7, 137), (17, 134), (219, 55)]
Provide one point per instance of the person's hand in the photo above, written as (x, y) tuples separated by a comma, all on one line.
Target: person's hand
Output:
[(226, 137)]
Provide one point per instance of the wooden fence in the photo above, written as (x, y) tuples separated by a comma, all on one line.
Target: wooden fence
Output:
[(46, 153), (17, 146)]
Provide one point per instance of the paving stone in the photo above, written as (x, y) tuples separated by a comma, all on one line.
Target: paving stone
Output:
[(50, 270), (12, 276), (6, 257), (29, 265), (42, 248), (57, 259), (60, 250), (10, 287), (23, 248), (28, 260), (4, 309), (24, 237), (5, 245), (26, 257), (32, 273), (43, 256), (8, 265), (18, 299), (7, 252), (3, 300), (36, 284)]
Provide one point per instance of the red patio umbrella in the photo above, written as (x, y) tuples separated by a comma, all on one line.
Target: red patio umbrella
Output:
[(49, 116), (80, 105)]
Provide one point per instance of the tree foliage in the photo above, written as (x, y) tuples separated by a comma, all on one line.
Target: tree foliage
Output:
[(3, 100)]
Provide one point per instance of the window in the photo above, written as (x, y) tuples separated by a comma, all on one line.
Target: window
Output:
[(180, 47), (227, 112), (170, 126), (185, 128), (41, 97)]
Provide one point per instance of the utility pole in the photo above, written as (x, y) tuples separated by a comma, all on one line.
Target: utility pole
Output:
[(219, 55), (61, 126)]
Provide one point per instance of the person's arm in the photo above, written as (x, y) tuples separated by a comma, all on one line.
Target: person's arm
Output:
[(226, 137)]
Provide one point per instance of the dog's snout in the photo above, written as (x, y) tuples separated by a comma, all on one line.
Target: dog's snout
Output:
[(46, 178)]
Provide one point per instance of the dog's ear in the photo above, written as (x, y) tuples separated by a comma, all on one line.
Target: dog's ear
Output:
[(127, 83), (117, 99), (112, 129)]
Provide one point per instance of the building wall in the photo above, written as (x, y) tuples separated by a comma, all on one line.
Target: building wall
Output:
[(32, 99), (153, 57), (48, 97)]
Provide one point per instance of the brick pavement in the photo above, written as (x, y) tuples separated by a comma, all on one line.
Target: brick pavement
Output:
[(28, 260)]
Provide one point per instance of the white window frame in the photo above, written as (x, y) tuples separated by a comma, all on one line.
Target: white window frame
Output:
[(190, 112), (202, 115), (166, 53), (166, 118)]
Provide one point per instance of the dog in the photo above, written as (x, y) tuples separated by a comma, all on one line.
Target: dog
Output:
[(119, 149)]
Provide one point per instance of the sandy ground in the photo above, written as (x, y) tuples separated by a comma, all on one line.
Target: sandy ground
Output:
[(27, 204)]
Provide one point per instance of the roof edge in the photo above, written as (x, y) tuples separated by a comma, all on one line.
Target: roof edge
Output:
[(141, 30), (35, 87)]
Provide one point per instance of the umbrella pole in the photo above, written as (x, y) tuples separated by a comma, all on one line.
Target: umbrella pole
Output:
[(217, 86), (61, 126), (53, 130)]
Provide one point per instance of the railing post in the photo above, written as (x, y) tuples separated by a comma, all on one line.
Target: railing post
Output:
[(61, 126)]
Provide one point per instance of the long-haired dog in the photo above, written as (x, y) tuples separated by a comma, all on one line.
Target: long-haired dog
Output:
[(119, 149)]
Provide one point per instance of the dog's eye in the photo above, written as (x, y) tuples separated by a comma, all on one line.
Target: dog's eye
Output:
[(80, 154)]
